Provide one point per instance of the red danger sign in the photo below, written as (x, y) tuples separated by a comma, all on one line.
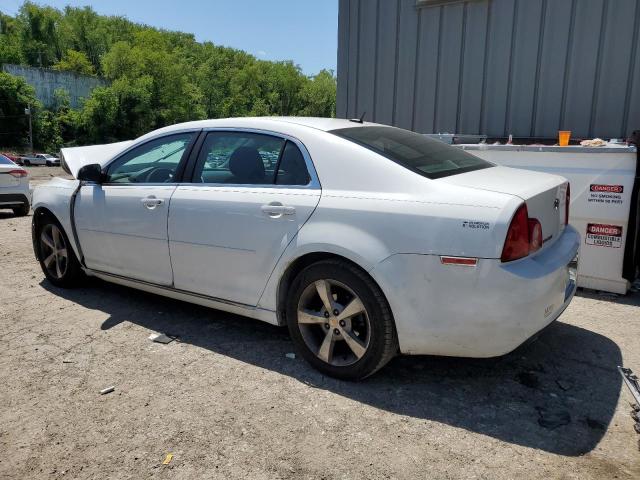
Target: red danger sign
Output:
[(607, 188), (599, 229), (601, 235)]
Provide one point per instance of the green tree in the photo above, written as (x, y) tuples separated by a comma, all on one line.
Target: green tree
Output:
[(319, 95), (10, 41), (15, 95), (74, 61), (157, 77), (40, 40)]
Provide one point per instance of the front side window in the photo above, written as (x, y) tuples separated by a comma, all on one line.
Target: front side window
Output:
[(153, 162), (246, 158), (425, 156)]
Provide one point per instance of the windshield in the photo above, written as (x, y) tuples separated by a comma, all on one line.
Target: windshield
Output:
[(425, 156)]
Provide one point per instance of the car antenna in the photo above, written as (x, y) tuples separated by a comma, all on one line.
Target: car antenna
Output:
[(358, 120)]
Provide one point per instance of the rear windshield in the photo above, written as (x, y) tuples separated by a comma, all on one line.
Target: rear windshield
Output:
[(5, 161), (425, 156)]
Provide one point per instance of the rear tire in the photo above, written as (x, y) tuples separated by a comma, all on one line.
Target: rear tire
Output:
[(27, 163), (22, 210), (55, 253), (356, 335)]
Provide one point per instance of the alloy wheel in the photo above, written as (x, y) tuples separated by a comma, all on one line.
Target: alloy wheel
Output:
[(54, 252), (334, 322)]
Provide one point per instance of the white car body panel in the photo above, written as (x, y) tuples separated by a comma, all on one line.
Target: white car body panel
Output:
[(220, 249), (12, 187), (211, 225), (119, 235)]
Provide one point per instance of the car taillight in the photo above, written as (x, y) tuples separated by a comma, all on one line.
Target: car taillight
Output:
[(567, 201), (523, 237), (19, 173)]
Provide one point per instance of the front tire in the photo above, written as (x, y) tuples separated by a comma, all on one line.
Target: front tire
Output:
[(55, 253), (21, 211), (340, 321)]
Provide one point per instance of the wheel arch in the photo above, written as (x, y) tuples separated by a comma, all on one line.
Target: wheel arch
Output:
[(39, 215), (299, 264)]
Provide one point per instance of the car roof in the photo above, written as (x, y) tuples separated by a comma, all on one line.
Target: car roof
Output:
[(317, 123)]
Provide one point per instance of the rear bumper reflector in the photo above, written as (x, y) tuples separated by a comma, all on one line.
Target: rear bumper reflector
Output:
[(462, 261)]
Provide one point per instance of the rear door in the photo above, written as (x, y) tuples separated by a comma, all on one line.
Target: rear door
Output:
[(122, 223), (250, 194)]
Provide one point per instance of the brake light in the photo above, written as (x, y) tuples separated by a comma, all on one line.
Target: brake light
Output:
[(517, 243), (19, 173), (567, 201), (523, 237)]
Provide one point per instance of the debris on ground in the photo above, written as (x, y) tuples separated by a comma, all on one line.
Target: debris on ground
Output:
[(291, 355), (163, 338), (633, 384), (104, 391), (167, 459), (552, 419), (563, 385)]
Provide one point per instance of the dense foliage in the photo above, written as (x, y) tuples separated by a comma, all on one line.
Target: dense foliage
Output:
[(156, 78)]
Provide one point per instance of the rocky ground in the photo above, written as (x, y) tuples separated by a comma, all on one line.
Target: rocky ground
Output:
[(227, 401)]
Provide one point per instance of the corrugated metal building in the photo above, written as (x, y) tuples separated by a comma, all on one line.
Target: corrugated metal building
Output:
[(495, 67)]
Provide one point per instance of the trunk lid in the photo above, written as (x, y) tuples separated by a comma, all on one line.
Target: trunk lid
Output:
[(544, 194)]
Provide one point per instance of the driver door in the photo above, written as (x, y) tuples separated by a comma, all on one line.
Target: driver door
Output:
[(122, 223)]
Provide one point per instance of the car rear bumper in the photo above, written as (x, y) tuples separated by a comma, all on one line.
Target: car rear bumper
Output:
[(13, 200), (482, 311)]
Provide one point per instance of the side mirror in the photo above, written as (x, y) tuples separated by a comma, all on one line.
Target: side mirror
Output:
[(90, 173)]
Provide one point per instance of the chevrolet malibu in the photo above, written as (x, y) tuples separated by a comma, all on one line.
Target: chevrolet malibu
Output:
[(365, 240)]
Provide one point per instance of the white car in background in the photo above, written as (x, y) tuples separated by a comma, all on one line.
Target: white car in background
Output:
[(366, 240), (14, 187), (40, 159)]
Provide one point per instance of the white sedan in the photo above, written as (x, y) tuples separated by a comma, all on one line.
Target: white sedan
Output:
[(14, 187), (365, 240)]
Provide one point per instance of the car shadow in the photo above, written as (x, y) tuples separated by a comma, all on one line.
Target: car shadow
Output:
[(556, 394), (7, 214)]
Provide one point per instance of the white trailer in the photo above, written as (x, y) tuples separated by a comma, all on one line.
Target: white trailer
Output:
[(604, 208)]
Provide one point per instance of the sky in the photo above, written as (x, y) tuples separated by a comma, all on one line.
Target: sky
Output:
[(304, 31)]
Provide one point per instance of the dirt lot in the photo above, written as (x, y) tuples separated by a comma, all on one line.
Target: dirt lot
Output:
[(227, 402)]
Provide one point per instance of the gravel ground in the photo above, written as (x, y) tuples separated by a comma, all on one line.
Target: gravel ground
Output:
[(227, 402)]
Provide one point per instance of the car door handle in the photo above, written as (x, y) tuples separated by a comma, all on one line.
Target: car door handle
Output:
[(276, 209), (151, 202)]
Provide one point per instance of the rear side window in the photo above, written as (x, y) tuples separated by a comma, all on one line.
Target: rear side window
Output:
[(238, 158), (5, 161), (425, 156), (247, 158)]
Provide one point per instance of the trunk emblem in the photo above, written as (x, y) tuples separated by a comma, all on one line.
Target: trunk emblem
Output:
[(556, 204)]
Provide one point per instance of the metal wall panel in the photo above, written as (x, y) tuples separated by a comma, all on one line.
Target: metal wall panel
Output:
[(406, 67), (386, 59), (495, 67)]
